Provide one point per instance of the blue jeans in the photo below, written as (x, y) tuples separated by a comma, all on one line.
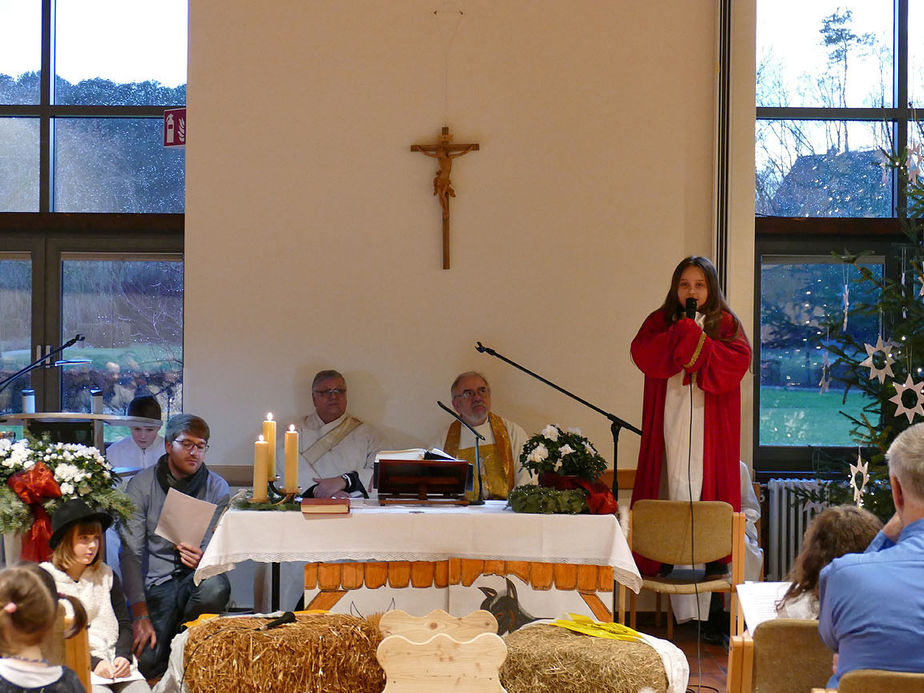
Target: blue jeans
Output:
[(173, 603)]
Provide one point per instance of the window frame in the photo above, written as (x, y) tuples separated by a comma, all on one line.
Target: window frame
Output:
[(811, 237), (822, 236), (46, 237), (46, 234), (47, 111)]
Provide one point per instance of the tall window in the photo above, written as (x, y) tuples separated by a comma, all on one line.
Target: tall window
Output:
[(91, 202), (838, 82)]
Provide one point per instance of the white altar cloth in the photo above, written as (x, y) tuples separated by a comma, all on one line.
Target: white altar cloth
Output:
[(414, 533)]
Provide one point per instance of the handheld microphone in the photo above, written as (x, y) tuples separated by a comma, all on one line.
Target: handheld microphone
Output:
[(690, 308), (287, 617)]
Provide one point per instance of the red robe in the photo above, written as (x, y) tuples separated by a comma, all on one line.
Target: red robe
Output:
[(662, 349)]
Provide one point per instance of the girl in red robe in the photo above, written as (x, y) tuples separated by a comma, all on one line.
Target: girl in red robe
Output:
[(691, 412)]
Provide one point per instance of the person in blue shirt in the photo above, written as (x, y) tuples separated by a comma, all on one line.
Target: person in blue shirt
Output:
[(872, 604)]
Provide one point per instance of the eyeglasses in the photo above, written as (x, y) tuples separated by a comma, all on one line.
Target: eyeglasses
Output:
[(188, 445), (331, 392), (468, 394)]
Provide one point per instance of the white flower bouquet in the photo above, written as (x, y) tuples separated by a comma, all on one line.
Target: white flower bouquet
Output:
[(49, 474), (567, 453)]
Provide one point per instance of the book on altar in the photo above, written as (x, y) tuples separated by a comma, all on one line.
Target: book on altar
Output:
[(325, 506), (412, 454), (409, 454)]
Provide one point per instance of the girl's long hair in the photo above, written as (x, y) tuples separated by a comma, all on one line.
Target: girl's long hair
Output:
[(835, 532), (715, 303)]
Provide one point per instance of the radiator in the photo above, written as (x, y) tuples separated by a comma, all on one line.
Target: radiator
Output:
[(789, 516)]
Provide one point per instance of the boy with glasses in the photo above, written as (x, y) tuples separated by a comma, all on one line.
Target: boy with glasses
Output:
[(157, 574)]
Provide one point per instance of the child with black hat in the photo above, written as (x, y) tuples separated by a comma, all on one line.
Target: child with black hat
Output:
[(76, 535)]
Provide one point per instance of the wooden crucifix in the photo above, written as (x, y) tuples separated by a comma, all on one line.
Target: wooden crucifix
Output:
[(444, 152)]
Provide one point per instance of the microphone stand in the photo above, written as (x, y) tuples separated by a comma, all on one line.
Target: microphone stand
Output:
[(39, 362), (616, 424), (478, 436)]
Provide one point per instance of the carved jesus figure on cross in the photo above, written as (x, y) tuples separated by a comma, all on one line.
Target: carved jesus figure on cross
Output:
[(444, 152)]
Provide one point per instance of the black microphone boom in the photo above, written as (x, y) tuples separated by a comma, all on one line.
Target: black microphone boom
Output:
[(691, 308), (478, 436), (616, 424), (41, 361)]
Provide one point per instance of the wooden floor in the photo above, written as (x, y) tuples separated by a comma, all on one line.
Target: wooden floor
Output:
[(711, 660)]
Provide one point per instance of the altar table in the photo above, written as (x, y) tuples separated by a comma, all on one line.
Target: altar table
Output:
[(429, 546)]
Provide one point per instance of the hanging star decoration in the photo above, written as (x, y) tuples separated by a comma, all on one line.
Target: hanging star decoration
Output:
[(900, 390), (914, 163), (861, 468), (885, 348), (825, 381), (846, 304)]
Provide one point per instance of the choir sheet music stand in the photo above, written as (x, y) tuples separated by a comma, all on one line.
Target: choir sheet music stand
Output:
[(75, 427), (423, 482)]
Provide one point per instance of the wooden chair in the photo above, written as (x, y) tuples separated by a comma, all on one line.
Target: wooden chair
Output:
[(441, 652), (880, 681), (782, 656), (74, 653), (661, 531)]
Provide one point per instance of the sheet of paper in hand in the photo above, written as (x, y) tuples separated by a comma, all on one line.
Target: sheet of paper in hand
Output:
[(184, 519)]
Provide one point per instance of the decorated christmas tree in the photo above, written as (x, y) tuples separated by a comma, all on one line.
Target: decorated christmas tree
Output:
[(890, 372)]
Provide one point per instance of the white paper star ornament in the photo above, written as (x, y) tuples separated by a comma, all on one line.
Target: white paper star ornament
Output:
[(900, 390), (876, 372), (861, 468)]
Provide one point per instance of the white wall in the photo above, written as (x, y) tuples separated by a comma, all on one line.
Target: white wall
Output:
[(313, 238)]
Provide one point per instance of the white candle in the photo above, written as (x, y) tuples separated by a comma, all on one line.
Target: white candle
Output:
[(269, 435), (291, 461), (260, 459)]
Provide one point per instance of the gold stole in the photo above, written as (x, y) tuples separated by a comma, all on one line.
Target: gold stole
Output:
[(496, 464)]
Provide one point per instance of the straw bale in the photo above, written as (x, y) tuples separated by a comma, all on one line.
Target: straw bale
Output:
[(548, 658), (332, 653)]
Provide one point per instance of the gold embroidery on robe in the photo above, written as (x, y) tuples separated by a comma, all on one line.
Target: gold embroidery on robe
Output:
[(496, 460)]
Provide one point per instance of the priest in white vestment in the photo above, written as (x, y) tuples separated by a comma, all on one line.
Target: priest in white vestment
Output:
[(336, 450), (499, 453)]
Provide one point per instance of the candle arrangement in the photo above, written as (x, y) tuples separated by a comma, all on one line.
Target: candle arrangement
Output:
[(264, 465)]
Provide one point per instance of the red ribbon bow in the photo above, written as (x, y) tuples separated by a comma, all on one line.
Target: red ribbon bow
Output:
[(600, 500), (33, 486)]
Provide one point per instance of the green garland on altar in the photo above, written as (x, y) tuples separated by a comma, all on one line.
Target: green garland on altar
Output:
[(540, 499), (242, 502)]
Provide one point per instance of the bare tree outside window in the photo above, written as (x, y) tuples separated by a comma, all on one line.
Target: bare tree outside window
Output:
[(820, 166)]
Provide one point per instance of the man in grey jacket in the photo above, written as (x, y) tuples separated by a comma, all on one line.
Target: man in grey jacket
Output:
[(158, 574)]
